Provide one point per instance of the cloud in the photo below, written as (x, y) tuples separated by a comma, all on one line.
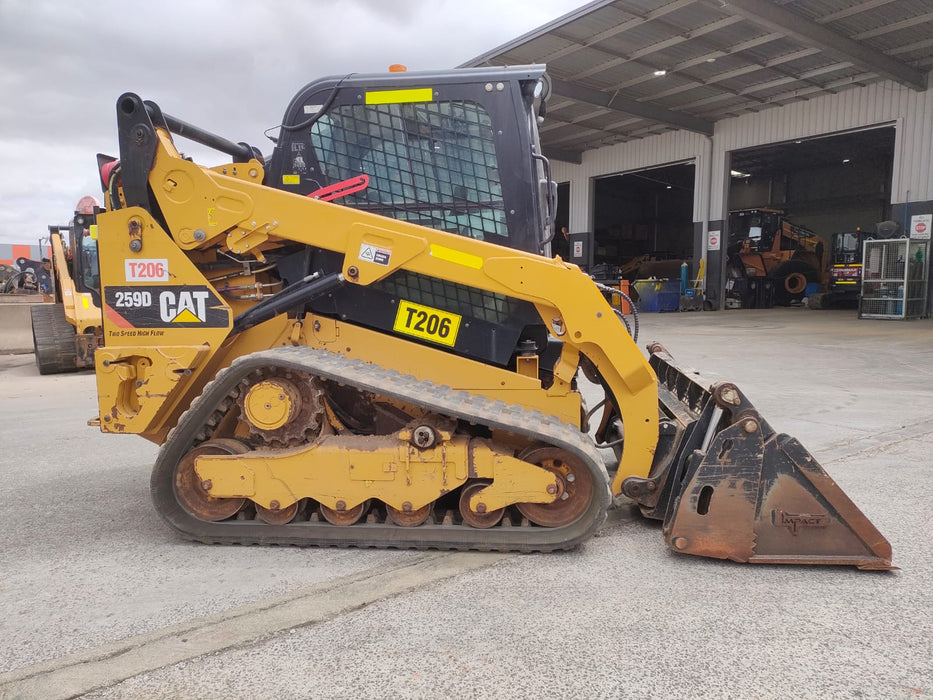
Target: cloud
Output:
[(230, 66)]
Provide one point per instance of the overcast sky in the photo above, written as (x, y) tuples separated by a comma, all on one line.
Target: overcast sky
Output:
[(230, 66)]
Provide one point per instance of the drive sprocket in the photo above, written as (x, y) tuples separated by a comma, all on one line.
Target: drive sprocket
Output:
[(281, 407)]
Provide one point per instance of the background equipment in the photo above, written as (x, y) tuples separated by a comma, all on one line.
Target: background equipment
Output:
[(771, 260), (66, 332)]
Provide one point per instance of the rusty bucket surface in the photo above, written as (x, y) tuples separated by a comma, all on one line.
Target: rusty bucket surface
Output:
[(727, 486)]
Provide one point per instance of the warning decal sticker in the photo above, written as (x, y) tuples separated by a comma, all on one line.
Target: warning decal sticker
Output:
[(180, 306), (371, 253)]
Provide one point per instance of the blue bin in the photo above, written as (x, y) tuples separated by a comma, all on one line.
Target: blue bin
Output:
[(658, 295)]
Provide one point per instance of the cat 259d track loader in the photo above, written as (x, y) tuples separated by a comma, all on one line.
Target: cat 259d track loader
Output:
[(399, 368)]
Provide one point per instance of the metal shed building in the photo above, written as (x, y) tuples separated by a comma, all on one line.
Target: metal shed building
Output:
[(637, 85)]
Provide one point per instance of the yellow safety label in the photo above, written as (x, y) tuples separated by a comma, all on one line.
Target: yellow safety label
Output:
[(291, 179), (427, 323), (456, 256), (390, 97)]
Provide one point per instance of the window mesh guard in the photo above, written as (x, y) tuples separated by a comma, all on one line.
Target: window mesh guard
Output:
[(432, 164)]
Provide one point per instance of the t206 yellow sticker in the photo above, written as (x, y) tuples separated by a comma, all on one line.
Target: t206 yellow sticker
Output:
[(427, 323)]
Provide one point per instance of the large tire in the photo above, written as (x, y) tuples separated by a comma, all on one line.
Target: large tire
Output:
[(790, 281), (53, 339)]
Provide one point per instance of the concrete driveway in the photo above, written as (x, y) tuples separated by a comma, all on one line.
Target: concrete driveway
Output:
[(99, 599)]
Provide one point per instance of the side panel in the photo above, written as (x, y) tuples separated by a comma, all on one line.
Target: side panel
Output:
[(162, 320)]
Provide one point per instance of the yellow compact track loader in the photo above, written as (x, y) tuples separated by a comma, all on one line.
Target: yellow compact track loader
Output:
[(398, 368), (66, 332)]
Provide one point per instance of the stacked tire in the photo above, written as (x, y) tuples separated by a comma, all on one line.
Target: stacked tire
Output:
[(790, 281), (53, 339)]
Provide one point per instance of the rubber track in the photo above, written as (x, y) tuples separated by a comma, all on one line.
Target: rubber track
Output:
[(53, 339), (435, 398)]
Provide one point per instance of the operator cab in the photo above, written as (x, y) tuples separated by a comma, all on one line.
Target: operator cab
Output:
[(455, 151)]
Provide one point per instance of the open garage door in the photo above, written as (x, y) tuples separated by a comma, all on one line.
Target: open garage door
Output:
[(797, 214), (643, 222)]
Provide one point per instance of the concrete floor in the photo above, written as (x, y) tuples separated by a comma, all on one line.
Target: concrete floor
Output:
[(100, 600)]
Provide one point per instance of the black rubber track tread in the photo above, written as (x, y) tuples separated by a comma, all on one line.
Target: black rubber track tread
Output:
[(436, 398), (53, 339)]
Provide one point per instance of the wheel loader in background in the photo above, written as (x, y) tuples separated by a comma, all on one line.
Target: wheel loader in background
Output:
[(66, 332), (398, 367), (769, 253)]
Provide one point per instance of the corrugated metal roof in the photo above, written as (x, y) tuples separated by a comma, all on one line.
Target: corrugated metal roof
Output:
[(722, 58)]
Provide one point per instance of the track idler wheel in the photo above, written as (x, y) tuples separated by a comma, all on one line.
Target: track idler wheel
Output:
[(193, 494), (574, 494)]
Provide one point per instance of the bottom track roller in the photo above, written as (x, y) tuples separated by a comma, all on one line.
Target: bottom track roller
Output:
[(475, 514), (277, 516), (342, 516), (409, 518)]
